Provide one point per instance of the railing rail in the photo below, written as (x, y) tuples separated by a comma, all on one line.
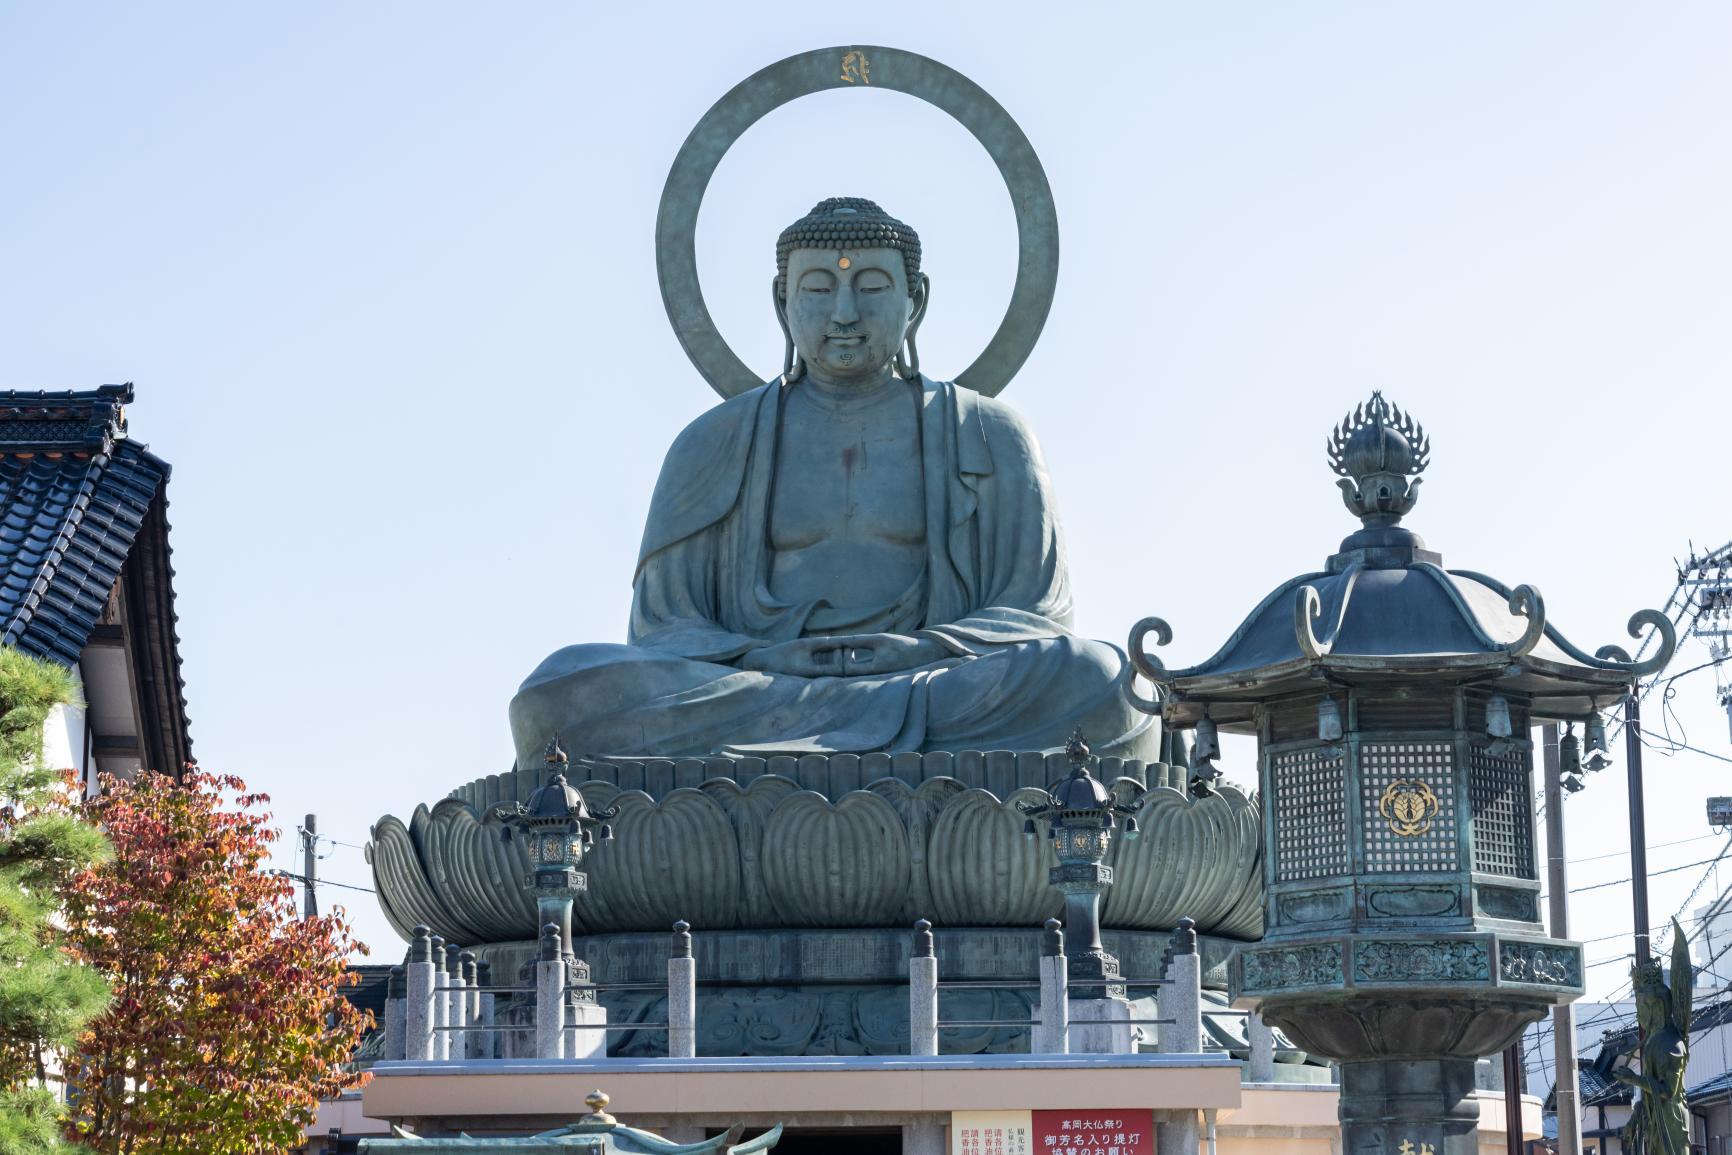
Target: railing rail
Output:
[(441, 1003)]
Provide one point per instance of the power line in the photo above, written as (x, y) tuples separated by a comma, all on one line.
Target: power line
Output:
[(1651, 846), (1706, 966), (340, 842), (1677, 746), (289, 874), (1700, 924), (1651, 874)]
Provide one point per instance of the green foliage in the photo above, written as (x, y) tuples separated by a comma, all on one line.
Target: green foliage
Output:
[(46, 998), (30, 1123)]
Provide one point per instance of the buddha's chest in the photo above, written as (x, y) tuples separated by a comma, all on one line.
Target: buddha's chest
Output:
[(850, 476)]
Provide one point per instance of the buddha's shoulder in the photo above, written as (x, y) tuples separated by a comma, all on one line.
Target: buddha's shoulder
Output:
[(997, 421), (719, 425)]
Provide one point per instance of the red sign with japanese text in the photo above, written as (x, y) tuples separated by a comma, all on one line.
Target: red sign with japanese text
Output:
[(1095, 1132)]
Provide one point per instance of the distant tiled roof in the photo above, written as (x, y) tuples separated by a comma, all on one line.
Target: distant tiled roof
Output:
[(368, 991), (1719, 1087), (1593, 1085), (1600, 1089), (75, 497), (1702, 1018), (368, 994)]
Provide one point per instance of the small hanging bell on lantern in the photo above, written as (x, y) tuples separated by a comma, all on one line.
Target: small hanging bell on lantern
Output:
[(1570, 753), (1497, 722), (1328, 721), (1594, 744), (1208, 743), (1028, 829)]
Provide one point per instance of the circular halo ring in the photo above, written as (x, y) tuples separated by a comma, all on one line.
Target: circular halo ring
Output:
[(857, 66)]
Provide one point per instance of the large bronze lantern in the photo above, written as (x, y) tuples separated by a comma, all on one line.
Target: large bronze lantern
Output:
[(1391, 700), (1081, 814), (558, 829)]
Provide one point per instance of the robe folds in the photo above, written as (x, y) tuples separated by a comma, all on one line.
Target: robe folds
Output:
[(994, 593)]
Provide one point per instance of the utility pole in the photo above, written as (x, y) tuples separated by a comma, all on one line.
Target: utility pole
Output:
[(1512, 1098), (310, 866), (1557, 889)]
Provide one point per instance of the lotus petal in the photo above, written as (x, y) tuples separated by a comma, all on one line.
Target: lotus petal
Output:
[(842, 864), (748, 810), (404, 896), (984, 871), (478, 873), (1194, 857), (919, 809), (676, 860)]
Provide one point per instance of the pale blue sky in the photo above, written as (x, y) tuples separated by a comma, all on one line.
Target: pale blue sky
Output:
[(384, 277)]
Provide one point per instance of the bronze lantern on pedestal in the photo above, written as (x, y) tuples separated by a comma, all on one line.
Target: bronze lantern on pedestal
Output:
[(1391, 700)]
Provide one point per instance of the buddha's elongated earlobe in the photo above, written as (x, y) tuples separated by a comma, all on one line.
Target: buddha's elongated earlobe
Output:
[(792, 367), (908, 357)]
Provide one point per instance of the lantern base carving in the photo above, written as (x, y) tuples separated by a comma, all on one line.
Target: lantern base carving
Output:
[(1401, 1026)]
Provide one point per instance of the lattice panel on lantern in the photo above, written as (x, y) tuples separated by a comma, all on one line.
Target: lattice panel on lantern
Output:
[(1503, 825), (1408, 805), (1310, 814)]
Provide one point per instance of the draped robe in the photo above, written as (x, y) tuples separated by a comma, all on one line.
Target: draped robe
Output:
[(994, 593)]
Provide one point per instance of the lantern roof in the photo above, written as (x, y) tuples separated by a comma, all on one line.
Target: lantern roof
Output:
[(1080, 790), (1385, 609), (558, 799)]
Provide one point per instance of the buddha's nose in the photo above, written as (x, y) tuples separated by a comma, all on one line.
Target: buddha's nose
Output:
[(846, 311)]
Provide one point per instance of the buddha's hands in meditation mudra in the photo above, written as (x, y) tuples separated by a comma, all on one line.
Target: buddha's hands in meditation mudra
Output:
[(849, 558), (847, 656)]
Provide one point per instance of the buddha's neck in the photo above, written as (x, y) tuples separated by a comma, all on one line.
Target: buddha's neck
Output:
[(852, 393)]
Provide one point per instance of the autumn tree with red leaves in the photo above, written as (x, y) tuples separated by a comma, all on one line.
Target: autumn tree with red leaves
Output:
[(228, 1023)]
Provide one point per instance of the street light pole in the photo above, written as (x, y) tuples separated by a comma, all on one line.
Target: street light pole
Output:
[(1638, 822), (1557, 886)]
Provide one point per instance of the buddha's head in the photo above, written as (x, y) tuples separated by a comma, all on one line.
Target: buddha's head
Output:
[(849, 292)]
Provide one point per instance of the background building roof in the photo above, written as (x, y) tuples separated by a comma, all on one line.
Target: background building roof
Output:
[(81, 505)]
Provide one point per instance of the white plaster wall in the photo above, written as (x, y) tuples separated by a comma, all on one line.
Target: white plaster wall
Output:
[(64, 739)]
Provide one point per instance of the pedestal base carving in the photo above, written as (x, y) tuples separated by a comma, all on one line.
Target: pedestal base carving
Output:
[(1397, 1027), (1409, 1105)]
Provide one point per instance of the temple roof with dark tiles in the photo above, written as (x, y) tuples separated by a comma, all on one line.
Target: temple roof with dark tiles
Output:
[(77, 497)]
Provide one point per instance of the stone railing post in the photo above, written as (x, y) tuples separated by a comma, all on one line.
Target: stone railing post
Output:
[(922, 993), (441, 1002), (419, 1016), (468, 1038), (1052, 1036), (456, 1003), (395, 1010), (1261, 1036), (486, 1042), (549, 994), (682, 994), (1181, 1000)]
